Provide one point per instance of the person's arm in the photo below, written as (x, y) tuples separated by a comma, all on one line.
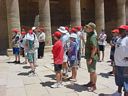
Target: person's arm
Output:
[(111, 44), (93, 52)]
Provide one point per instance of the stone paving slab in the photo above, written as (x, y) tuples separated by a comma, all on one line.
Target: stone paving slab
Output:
[(14, 80)]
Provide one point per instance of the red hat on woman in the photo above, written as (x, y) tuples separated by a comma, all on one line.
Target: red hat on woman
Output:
[(30, 31), (115, 31), (66, 28), (23, 32), (73, 30), (123, 27), (57, 34), (78, 28), (15, 30)]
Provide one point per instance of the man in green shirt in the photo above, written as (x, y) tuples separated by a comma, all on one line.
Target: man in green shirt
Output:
[(91, 54)]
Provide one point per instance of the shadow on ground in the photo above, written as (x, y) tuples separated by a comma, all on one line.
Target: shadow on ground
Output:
[(23, 74), (105, 75), (102, 94), (26, 67), (77, 87), (52, 76), (47, 84)]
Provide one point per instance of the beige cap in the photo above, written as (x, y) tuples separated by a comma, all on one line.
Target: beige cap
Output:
[(91, 25)]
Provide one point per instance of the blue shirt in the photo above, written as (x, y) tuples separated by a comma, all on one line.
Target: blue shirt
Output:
[(73, 51), (65, 40)]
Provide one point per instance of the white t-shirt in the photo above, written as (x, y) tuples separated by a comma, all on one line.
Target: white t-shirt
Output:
[(102, 39), (121, 52), (41, 37)]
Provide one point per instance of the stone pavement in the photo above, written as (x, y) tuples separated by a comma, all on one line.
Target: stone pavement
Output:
[(14, 80)]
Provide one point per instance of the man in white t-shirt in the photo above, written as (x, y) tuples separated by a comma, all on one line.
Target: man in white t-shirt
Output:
[(102, 42), (121, 61)]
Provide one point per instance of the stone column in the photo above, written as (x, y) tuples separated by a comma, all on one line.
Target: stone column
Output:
[(45, 20), (99, 15), (75, 12), (13, 18), (121, 12)]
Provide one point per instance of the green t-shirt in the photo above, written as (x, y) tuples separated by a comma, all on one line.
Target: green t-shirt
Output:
[(90, 43)]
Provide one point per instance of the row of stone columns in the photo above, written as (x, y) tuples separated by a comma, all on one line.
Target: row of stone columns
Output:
[(45, 20)]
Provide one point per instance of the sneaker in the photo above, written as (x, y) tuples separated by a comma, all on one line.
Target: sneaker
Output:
[(73, 80), (55, 85), (92, 88), (60, 85), (116, 94)]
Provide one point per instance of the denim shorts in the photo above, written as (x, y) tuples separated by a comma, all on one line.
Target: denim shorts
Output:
[(73, 63), (121, 76), (16, 51)]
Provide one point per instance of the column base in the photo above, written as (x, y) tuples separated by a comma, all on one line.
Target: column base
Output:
[(46, 49), (9, 52)]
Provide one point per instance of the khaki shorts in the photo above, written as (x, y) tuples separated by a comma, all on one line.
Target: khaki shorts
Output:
[(91, 67)]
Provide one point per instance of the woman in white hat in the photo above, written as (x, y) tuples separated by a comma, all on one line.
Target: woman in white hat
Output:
[(72, 56)]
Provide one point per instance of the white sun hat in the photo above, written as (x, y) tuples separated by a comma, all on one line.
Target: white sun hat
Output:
[(73, 35), (62, 29), (33, 28)]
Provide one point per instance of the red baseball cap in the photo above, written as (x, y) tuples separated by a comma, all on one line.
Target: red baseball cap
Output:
[(127, 27), (57, 34), (23, 32), (15, 30), (66, 28), (78, 27), (73, 30), (115, 31), (30, 31), (123, 27)]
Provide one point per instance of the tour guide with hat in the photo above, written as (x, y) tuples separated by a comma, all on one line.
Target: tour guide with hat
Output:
[(58, 53), (121, 61), (91, 55)]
